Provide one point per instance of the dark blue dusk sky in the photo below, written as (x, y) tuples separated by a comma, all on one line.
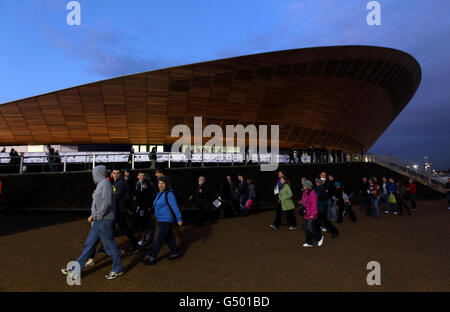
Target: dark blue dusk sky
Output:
[(40, 53)]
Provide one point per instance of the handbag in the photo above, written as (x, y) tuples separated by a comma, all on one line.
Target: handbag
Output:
[(248, 204), (302, 210), (392, 199)]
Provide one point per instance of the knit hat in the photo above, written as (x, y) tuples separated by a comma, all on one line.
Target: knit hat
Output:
[(337, 184), (308, 184)]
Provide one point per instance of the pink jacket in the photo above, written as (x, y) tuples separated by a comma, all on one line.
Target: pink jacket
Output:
[(310, 202)]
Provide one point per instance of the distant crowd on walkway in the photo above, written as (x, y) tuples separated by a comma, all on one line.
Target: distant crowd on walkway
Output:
[(53, 157), (138, 204)]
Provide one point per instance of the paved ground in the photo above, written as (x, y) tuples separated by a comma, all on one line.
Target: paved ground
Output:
[(244, 254)]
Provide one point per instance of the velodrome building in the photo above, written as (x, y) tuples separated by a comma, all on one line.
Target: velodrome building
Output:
[(341, 97)]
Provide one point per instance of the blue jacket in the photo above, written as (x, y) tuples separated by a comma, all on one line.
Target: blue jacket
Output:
[(162, 210), (391, 187)]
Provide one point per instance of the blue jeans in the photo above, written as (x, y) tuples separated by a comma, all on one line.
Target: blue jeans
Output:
[(332, 209), (164, 232), (101, 230), (375, 206)]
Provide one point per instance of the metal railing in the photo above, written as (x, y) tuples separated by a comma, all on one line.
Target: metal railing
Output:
[(82, 161), (410, 170)]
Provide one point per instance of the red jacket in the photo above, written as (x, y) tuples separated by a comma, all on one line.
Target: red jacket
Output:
[(412, 188)]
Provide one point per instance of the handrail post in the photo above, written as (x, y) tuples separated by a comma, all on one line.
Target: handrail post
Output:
[(202, 158), (21, 165), (169, 159), (93, 161), (232, 159), (132, 161), (65, 163)]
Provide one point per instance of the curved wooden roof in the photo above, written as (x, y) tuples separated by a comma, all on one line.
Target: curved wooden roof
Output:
[(337, 97)]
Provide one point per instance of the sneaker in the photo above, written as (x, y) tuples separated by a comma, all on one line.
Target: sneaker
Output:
[(273, 227), (141, 242), (101, 251), (320, 243), (307, 245), (135, 250), (149, 260), (386, 212), (396, 213), (292, 227), (113, 275), (323, 229), (90, 262), (173, 257)]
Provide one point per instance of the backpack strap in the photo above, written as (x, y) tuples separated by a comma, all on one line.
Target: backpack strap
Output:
[(170, 207)]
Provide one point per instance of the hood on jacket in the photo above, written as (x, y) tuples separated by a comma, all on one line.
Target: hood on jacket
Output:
[(99, 173)]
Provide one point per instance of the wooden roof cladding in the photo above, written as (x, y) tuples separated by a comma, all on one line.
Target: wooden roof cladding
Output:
[(338, 97)]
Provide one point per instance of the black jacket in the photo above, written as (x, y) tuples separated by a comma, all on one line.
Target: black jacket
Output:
[(122, 193), (330, 188), (144, 193), (203, 196), (363, 189), (226, 190)]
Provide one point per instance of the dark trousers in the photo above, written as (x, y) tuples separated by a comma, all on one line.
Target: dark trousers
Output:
[(124, 223), (367, 202), (164, 233), (322, 220), (145, 222), (204, 213), (289, 215), (412, 199), (349, 210), (401, 204), (311, 231), (225, 210)]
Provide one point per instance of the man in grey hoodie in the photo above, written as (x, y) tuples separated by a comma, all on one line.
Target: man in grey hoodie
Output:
[(102, 219)]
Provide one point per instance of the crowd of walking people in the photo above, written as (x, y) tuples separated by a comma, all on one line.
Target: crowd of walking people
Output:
[(137, 204), (319, 155)]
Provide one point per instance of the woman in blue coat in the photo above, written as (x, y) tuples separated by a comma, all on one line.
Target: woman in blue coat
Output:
[(166, 213)]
